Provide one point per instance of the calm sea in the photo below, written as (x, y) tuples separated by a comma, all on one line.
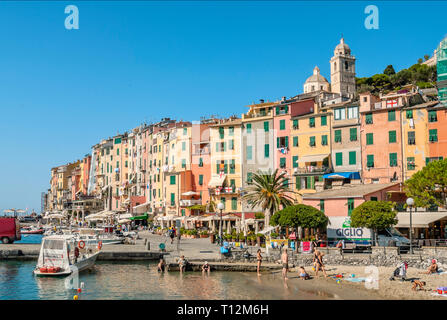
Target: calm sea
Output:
[(142, 281)]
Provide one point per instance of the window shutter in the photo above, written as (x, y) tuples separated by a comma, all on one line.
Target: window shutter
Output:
[(277, 142), (352, 157), (298, 183), (266, 150), (266, 126), (295, 161), (287, 142)]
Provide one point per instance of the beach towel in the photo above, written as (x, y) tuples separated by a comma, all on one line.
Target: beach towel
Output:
[(355, 279), (439, 295)]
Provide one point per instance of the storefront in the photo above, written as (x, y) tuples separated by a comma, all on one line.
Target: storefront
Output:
[(426, 225)]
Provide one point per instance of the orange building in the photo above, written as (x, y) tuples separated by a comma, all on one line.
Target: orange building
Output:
[(381, 133), (437, 133)]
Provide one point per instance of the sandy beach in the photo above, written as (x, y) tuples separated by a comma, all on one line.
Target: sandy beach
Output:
[(392, 290)]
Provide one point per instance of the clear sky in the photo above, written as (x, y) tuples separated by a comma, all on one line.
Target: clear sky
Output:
[(61, 91)]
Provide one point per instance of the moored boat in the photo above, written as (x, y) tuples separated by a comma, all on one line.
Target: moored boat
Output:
[(31, 230), (61, 255)]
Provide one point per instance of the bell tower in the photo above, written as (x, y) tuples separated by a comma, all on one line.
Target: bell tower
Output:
[(343, 70)]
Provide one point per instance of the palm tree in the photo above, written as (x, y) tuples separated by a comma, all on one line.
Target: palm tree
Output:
[(269, 191)]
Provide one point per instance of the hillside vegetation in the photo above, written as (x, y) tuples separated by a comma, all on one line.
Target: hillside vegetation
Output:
[(418, 74)]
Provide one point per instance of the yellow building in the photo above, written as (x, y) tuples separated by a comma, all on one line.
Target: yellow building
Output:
[(310, 149), (226, 177)]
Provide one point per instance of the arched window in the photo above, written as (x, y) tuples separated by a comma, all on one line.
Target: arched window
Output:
[(335, 66), (346, 65)]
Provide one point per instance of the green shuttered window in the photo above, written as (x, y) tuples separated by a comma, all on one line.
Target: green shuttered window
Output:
[(369, 138), (392, 136), (337, 136), (339, 159), (353, 134), (393, 159)]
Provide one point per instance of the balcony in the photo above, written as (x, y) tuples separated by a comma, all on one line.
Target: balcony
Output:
[(311, 169), (257, 115), (188, 203), (224, 190)]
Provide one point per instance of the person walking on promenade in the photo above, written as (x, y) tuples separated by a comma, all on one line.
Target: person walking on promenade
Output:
[(172, 235), (259, 258), (285, 263)]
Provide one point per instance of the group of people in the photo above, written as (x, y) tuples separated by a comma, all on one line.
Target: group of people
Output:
[(182, 263), (317, 263)]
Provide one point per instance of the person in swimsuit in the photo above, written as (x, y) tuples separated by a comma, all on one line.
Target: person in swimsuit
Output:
[(433, 268), (182, 264), (206, 267), (161, 266), (319, 265), (303, 274), (259, 259), (285, 263)]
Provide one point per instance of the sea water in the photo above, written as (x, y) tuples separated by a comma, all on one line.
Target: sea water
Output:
[(140, 280)]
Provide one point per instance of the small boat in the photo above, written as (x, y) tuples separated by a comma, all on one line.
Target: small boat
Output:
[(61, 255), (94, 236), (31, 230)]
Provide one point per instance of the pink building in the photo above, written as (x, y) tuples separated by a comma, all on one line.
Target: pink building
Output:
[(341, 202)]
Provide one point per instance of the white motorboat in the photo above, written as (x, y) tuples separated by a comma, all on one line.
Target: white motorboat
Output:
[(94, 236), (61, 255)]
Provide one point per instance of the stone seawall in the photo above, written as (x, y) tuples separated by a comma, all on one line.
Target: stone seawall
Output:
[(386, 257)]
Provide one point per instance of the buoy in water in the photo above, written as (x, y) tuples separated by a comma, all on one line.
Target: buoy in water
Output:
[(75, 297), (352, 275), (79, 290), (338, 281)]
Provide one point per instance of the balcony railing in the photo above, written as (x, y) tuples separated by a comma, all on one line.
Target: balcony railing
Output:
[(257, 115), (311, 169), (188, 203)]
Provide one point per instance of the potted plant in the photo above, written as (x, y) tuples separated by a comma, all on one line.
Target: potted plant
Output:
[(204, 234), (194, 233), (241, 237), (274, 235), (259, 238), (233, 236)]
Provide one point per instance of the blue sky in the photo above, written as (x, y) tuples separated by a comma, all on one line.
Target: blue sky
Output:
[(64, 90)]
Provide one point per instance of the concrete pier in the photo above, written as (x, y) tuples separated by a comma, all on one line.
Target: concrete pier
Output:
[(119, 252), (226, 266)]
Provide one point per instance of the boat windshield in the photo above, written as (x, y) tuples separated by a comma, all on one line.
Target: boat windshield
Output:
[(54, 244)]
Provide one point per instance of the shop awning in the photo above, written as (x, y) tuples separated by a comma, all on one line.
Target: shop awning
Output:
[(342, 175), (419, 219), (314, 158), (125, 216), (216, 180), (267, 230), (142, 217), (141, 208)]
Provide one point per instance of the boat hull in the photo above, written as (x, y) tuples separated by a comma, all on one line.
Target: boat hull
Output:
[(79, 266)]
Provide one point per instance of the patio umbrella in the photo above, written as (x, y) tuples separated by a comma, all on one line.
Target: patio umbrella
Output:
[(190, 193), (228, 226)]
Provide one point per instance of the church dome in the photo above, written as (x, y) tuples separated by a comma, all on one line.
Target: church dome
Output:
[(342, 48), (316, 77), (316, 82)]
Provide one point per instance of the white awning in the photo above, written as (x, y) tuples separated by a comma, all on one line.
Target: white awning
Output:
[(314, 158), (419, 219), (106, 213), (267, 230), (125, 216), (216, 180), (141, 208), (124, 220), (190, 193)]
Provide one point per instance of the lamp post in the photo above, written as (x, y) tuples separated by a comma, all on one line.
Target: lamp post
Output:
[(220, 206), (410, 203)]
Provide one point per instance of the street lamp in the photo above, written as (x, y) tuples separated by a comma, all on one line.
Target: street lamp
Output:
[(410, 203), (220, 206)]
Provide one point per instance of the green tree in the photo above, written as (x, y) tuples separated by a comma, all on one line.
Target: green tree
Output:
[(426, 57), (429, 185), (375, 215), (300, 215), (270, 191), (389, 70), (420, 60)]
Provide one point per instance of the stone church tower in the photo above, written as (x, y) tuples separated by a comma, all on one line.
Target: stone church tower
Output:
[(343, 70)]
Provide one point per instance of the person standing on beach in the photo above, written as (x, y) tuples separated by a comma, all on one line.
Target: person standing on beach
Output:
[(285, 263), (259, 258), (318, 260)]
